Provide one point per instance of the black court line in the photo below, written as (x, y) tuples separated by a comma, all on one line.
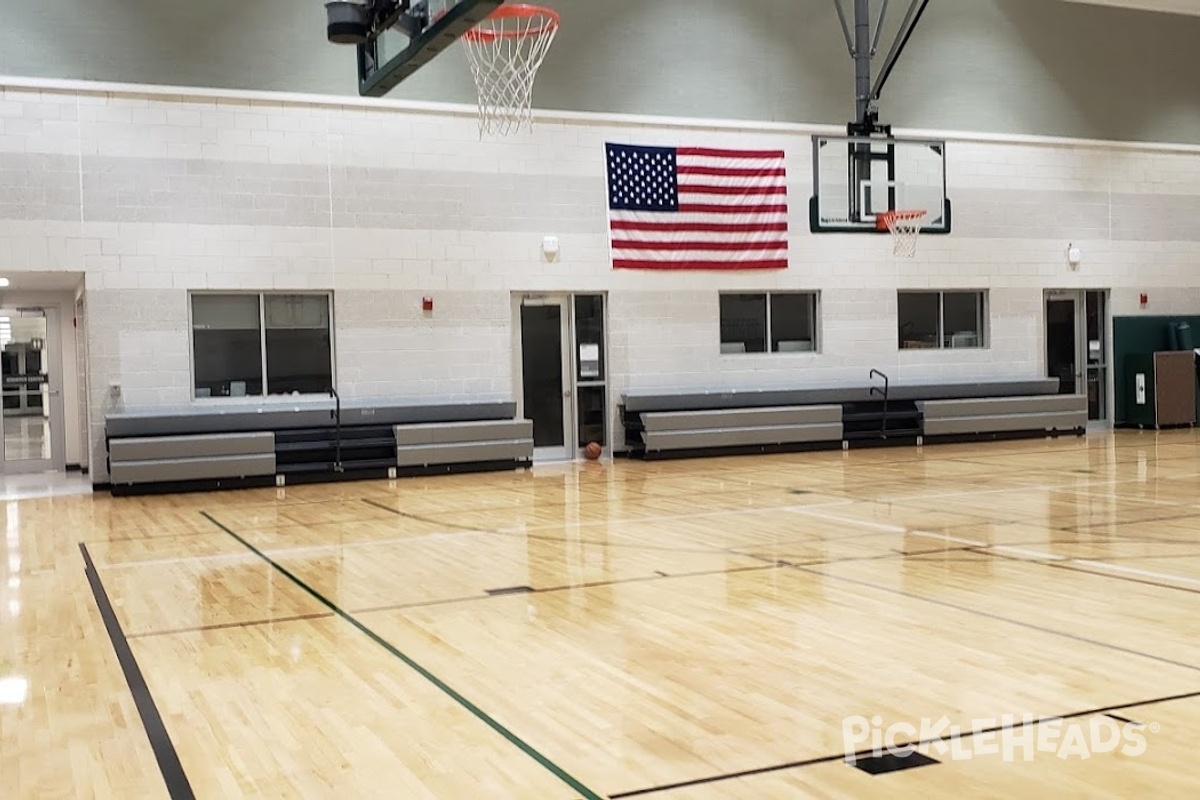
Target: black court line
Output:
[(1167, 517), (489, 594), (948, 737), (509, 590), (166, 537), (645, 497), (525, 591), (548, 538), (428, 520), (479, 714), (178, 786), (1126, 720), (220, 626), (997, 617)]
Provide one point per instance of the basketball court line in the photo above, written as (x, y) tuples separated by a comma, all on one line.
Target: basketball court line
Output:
[(915, 744), (1085, 527), (987, 546), (1035, 555), (221, 626), (810, 510), (429, 676), (313, 549), (1165, 557), (997, 617), (1077, 569), (468, 532), (768, 564), (571, 587), (176, 780), (635, 521), (479, 714)]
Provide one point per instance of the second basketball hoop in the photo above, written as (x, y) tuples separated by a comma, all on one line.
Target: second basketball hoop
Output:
[(505, 51)]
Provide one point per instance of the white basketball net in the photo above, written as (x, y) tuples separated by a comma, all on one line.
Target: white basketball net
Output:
[(905, 227), (505, 52)]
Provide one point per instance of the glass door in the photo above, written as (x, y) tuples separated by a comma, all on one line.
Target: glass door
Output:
[(1063, 342), (591, 371), (30, 371), (546, 376), (1096, 324)]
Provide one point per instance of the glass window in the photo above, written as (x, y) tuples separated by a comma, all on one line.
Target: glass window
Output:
[(226, 345), (789, 317), (235, 337), (297, 344), (743, 323), (589, 337), (962, 319), (940, 319), (793, 322)]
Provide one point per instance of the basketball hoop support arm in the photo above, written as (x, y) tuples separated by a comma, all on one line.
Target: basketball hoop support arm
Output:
[(863, 45), (911, 20), (376, 78)]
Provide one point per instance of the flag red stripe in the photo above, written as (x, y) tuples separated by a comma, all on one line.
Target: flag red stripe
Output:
[(712, 152), (723, 247), (718, 208), (722, 265), (700, 227), (733, 172), (731, 190)]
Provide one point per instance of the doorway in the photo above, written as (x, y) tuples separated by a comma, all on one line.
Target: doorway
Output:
[(1077, 336), (31, 380), (562, 370)]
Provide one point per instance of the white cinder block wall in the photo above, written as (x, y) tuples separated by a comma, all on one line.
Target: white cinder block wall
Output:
[(154, 195)]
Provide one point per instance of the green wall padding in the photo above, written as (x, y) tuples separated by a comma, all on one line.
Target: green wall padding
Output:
[(1139, 335)]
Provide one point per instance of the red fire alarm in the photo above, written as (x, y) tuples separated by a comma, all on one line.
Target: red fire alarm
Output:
[(427, 304), (1143, 298)]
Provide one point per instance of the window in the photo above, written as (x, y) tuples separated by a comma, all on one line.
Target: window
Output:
[(249, 345), (784, 322), (941, 319)]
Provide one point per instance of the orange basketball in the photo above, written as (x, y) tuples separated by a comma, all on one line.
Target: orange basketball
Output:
[(593, 450)]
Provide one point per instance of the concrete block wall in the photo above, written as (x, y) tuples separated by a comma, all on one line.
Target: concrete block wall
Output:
[(153, 195)]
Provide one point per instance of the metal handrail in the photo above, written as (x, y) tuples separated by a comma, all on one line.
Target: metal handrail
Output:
[(336, 414), (885, 391)]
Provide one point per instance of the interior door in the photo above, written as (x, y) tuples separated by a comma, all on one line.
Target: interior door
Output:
[(545, 357), (31, 380), (1064, 359)]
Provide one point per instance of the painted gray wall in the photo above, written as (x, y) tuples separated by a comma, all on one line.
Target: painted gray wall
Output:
[(1003, 66)]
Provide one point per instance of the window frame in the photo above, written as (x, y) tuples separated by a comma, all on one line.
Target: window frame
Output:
[(814, 309), (983, 307), (262, 296)]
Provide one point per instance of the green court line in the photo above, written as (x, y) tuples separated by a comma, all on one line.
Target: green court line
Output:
[(479, 713)]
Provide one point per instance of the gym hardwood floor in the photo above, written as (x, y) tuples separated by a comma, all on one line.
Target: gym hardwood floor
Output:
[(686, 629)]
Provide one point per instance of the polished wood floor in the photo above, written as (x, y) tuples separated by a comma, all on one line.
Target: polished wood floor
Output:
[(689, 629)]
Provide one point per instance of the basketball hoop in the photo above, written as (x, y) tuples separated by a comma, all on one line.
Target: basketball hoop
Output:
[(505, 51), (905, 227)]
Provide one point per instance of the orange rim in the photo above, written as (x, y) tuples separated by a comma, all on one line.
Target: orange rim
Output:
[(881, 221), (516, 11)]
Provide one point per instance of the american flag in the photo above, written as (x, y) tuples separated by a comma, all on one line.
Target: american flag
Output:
[(697, 208)]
